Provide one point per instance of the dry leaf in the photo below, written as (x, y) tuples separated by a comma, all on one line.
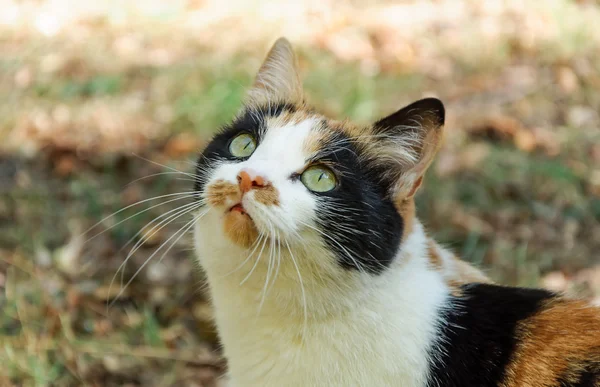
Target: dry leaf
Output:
[(182, 144)]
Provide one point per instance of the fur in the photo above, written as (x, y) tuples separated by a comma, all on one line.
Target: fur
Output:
[(344, 287)]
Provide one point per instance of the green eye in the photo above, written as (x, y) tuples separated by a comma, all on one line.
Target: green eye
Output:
[(242, 146), (318, 178)]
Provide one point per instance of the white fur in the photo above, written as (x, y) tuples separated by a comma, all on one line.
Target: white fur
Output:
[(276, 158), (289, 315)]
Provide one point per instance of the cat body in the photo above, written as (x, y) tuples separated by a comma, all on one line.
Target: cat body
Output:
[(321, 275)]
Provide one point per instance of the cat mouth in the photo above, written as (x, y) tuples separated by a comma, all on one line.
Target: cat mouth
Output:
[(239, 226), (239, 208)]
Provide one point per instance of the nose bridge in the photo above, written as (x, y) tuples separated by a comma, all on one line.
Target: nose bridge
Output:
[(279, 152), (259, 167)]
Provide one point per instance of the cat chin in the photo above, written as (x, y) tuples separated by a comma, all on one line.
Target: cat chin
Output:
[(239, 227)]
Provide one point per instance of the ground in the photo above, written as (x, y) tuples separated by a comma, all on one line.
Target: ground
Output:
[(102, 104)]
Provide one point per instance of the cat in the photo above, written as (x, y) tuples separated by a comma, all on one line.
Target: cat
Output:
[(321, 275)]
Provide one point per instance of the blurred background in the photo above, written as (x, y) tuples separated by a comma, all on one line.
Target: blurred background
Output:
[(101, 102)]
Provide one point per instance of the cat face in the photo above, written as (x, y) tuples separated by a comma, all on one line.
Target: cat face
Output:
[(280, 172)]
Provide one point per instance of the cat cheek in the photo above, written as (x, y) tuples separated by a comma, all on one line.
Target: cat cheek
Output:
[(268, 195), (222, 193)]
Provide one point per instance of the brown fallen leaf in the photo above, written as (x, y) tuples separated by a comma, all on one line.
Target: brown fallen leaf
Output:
[(504, 129), (525, 140), (107, 292), (567, 79), (594, 181), (182, 145), (65, 165), (496, 129)]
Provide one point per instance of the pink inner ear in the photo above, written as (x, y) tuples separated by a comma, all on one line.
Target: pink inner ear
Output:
[(415, 187)]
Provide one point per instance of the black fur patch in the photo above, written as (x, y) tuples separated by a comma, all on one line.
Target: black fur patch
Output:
[(362, 224), (589, 376), (478, 339), (251, 121), (406, 118)]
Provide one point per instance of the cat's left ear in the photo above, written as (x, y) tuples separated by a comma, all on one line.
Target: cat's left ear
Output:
[(409, 140), (277, 79)]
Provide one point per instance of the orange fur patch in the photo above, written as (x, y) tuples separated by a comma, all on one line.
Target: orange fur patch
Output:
[(464, 273), (558, 343), (220, 191), (468, 273), (282, 119), (406, 209), (435, 259), (455, 287), (300, 114), (237, 226), (361, 134), (267, 195), (240, 228), (454, 271), (314, 142)]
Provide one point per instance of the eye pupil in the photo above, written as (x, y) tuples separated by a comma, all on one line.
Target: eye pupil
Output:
[(242, 146), (318, 178)]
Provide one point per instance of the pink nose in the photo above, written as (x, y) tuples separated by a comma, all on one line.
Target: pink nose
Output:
[(248, 179)]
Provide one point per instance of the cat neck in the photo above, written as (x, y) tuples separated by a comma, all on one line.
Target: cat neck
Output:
[(286, 283), (394, 314)]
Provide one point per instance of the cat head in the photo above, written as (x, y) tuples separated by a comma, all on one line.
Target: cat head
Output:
[(281, 172)]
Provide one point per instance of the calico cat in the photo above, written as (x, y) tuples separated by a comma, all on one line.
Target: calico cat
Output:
[(321, 275)]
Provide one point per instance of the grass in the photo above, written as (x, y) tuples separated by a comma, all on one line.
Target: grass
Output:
[(516, 196)]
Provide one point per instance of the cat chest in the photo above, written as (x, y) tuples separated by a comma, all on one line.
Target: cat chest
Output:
[(334, 354)]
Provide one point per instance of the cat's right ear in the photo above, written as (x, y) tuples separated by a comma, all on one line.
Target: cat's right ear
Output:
[(277, 79), (408, 142)]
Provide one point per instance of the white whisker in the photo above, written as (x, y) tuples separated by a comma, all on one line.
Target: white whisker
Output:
[(153, 175), (358, 266), (179, 212), (303, 292), (255, 244), (278, 259), (164, 166), (137, 214), (269, 268), (180, 232), (255, 262), (187, 194)]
